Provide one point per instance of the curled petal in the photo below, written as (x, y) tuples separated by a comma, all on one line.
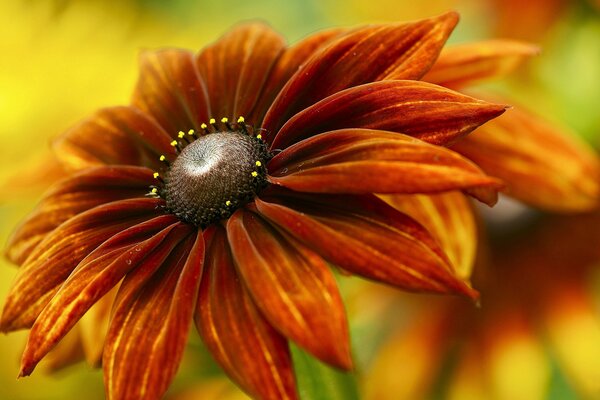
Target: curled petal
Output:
[(368, 161), (118, 135), (74, 195), (449, 218), (246, 346), (151, 322), (171, 90), (461, 65), (53, 260), (372, 53), (236, 67), (368, 245), (422, 110), (541, 164), (292, 286)]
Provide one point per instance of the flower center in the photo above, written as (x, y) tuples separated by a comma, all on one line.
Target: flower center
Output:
[(214, 175)]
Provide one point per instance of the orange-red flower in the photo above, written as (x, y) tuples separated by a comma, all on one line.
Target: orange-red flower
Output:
[(221, 193)]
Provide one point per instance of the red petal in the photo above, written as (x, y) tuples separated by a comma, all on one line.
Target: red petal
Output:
[(392, 51), (236, 67), (368, 161), (171, 90), (72, 196), (368, 245), (150, 326), (53, 260), (91, 280), (292, 286), (118, 135), (429, 112), (250, 351)]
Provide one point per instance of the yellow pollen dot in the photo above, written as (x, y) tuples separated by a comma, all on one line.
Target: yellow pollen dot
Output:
[(191, 132), (174, 143), (228, 203), (224, 120), (258, 163), (259, 136), (156, 175), (240, 119), (254, 174), (203, 126), (212, 121), (154, 190), (181, 135), (162, 158)]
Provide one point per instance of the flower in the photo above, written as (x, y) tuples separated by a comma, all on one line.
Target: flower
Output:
[(221, 193)]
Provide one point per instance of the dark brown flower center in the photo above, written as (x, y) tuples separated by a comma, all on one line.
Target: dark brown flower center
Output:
[(214, 175)]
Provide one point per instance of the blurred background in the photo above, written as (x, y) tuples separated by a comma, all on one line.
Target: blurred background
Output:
[(63, 59)]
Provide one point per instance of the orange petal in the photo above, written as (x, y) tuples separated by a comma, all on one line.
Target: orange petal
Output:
[(151, 322), (94, 327), (541, 164), (292, 286), (384, 246), (449, 218), (236, 67), (117, 135), (250, 351), (462, 65), (368, 161), (171, 90), (369, 54), (66, 353), (419, 109)]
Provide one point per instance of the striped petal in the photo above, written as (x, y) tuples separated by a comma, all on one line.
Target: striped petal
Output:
[(94, 277), (236, 67), (151, 321), (541, 164), (118, 135), (292, 286), (428, 112), (170, 89), (368, 161), (381, 244), (53, 260), (372, 53), (250, 351), (462, 65), (74, 195)]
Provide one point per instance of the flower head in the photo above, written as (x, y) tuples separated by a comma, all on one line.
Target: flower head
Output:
[(225, 189)]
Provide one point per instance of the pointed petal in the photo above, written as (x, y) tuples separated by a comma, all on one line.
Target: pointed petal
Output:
[(384, 246), (372, 53), (93, 278), (428, 112), (236, 67), (286, 65), (368, 161), (250, 351), (53, 260), (541, 164), (292, 286), (449, 218), (171, 90), (74, 195), (462, 65), (142, 356), (94, 327), (117, 135)]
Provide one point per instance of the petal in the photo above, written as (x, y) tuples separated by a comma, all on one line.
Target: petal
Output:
[(90, 281), (372, 53), (72, 196), (53, 260), (462, 65), (368, 161), (384, 246), (142, 356), (250, 351), (292, 286), (286, 65), (236, 67), (66, 353), (449, 218), (428, 112), (171, 90), (541, 164), (94, 327), (117, 135)]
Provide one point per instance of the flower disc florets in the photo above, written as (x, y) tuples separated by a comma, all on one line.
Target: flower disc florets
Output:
[(214, 175)]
